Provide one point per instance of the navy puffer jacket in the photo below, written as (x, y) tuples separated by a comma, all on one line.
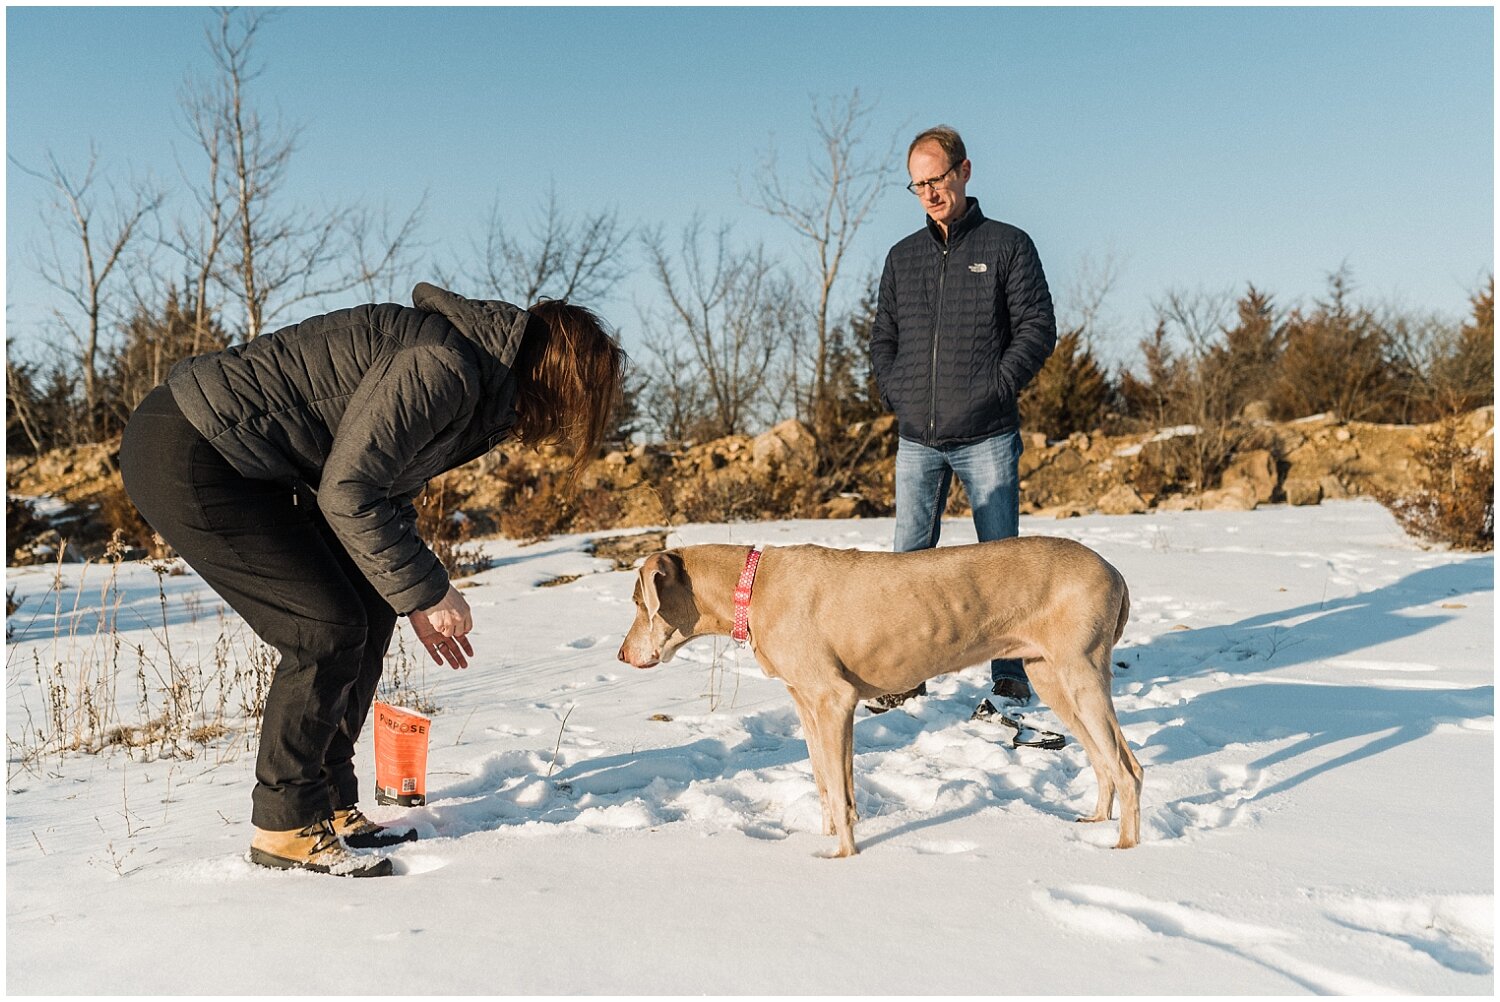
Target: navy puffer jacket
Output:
[(364, 406), (962, 326)]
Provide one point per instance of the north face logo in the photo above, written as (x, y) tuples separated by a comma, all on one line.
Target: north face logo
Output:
[(980, 268)]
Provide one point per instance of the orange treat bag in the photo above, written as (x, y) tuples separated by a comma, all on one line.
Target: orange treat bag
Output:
[(400, 756)]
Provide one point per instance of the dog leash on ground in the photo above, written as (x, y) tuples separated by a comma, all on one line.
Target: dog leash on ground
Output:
[(1050, 740), (1026, 735)]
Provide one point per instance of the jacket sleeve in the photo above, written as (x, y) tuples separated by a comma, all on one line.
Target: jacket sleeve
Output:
[(1033, 328), (399, 408), (884, 333)]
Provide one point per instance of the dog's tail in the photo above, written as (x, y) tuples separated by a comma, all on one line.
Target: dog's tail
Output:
[(1124, 607)]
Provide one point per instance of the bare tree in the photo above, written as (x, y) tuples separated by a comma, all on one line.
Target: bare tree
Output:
[(1446, 368), (679, 403), (380, 245), (268, 254), (827, 209), (560, 256), (99, 229), (1086, 293), (20, 403), (1201, 394), (726, 318), (200, 234)]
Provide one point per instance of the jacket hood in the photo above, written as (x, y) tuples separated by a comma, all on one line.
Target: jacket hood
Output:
[(494, 325), (497, 329)]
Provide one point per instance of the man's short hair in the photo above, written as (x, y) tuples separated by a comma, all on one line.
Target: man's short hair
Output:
[(947, 137)]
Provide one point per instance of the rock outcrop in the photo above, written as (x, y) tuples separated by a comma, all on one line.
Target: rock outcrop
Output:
[(786, 472)]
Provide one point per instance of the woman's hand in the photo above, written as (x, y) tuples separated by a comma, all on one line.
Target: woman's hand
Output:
[(444, 629)]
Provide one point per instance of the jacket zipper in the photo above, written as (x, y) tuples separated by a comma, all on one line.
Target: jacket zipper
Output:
[(932, 372)]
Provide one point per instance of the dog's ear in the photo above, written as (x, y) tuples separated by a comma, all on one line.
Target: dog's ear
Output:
[(660, 570)]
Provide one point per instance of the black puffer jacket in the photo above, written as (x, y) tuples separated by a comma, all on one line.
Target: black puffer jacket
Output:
[(365, 406), (962, 327)]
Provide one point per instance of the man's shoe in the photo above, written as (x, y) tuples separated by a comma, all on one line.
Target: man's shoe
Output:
[(891, 700), (359, 832), (1016, 690), (314, 848)]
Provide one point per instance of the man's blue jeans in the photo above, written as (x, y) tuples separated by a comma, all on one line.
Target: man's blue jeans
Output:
[(990, 472)]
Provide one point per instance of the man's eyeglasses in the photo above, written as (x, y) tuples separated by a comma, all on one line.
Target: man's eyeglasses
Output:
[(920, 188)]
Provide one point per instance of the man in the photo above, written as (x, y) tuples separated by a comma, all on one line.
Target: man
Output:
[(964, 322)]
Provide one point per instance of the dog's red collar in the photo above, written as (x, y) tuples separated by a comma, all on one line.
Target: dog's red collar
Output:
[(741, 631)]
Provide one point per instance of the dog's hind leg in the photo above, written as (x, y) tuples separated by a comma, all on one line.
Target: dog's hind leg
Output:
[(814, 741), (1096, 712), (1060, 696)]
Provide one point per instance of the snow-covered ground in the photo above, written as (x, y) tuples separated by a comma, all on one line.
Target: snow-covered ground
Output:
[(1310, 692)]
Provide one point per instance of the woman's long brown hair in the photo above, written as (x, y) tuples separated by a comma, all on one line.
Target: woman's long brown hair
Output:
[(568, 375)]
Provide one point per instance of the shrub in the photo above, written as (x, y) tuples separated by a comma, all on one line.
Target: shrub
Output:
[(533, 509), (729, 498), (21, 522), (1455, 500)]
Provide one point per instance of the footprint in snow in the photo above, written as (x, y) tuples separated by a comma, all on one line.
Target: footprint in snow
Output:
[(1237, 782), (407, 865), (1457, 931), (1234, 787), (1108, 912)]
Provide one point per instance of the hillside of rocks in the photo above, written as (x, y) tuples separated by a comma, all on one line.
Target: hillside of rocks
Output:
[(75, 495)]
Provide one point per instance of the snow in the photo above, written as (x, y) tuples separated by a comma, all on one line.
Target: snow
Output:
[(1310, 692), (1165, 435)]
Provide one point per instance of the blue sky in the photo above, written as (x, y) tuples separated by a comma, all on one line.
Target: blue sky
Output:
[(1199, 149)]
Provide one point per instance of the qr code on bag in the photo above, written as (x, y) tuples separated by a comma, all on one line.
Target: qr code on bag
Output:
[(408, 786)]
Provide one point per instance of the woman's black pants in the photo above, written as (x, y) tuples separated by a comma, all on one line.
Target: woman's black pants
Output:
[(273, 558)]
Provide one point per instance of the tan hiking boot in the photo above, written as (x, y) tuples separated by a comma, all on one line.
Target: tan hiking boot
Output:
[(359, 832), (314, 848)]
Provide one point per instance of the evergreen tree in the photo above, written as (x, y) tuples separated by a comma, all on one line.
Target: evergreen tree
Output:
[(1475, 362), (1336, 360), (850, 393), (1071, 392), (1154, 397), (1245, 362)]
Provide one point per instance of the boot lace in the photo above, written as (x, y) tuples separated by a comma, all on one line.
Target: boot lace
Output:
[(327, 838), (356, 823)]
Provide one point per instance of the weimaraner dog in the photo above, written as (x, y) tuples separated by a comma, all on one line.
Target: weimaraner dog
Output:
[(838, 626)]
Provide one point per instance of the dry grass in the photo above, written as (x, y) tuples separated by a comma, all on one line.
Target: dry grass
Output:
[(96, 688), (448, 530)]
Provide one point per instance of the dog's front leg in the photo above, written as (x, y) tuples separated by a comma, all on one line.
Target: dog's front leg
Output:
[(833, 709), (809, 722)]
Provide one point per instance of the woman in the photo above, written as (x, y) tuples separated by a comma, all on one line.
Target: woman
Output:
[(284, 472)]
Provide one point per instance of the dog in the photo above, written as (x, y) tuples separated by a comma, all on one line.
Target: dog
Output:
[(838, 626)]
